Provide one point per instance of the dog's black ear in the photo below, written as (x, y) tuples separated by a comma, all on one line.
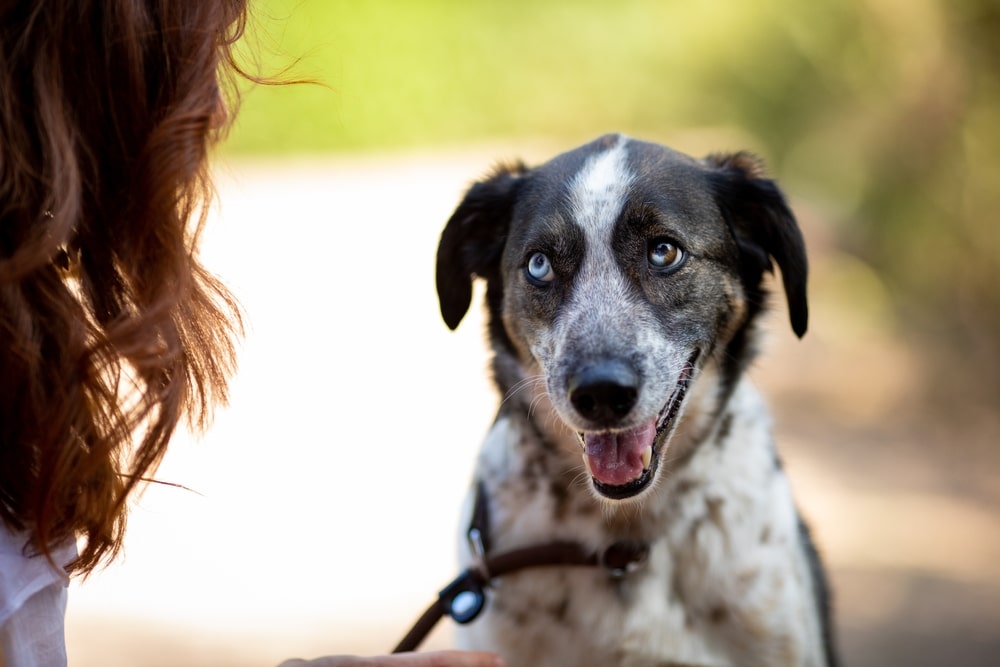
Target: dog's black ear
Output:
[(764, 227), (472, 242)]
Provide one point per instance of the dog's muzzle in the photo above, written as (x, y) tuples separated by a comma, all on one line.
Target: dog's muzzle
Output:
[(623, 463)]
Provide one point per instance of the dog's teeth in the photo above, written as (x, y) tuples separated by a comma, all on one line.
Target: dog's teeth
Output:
[(647, 457), (583, 441), (586, 464)]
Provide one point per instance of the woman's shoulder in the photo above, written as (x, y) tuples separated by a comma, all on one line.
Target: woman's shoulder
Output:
[(23, 573)]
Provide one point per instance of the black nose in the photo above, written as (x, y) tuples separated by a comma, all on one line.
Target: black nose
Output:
[(604, 392)]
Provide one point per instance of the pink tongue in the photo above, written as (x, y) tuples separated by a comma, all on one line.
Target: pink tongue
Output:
[(616, 458)]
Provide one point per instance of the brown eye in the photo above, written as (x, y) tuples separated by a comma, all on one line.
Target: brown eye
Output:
[(664, 255)]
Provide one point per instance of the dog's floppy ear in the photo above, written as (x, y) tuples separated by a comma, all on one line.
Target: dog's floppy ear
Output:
[(764, 227), (472, 242)]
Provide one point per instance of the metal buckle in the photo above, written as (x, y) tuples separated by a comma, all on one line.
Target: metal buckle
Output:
[(623, 558), (464, 597), (478, 553)]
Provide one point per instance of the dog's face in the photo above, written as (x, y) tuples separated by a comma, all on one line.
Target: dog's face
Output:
[(616, 272)]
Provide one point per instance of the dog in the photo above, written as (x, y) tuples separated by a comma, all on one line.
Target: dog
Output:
[(624, 286)]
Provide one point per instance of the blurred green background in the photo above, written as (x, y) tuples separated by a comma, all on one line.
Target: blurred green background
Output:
[(883, 114), (881, 120)]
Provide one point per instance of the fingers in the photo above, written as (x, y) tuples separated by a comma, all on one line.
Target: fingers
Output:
[(449, 659), (431, 659)]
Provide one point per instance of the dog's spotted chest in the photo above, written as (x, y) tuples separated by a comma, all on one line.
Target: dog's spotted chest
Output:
[(623, 284), (715, 585)]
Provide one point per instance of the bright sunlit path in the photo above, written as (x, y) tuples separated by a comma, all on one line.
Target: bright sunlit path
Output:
[(324, 501)]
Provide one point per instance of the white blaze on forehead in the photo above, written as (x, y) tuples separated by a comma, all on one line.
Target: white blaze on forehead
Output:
[(598, 192), (597, 195), (601, 310), (605, 315)]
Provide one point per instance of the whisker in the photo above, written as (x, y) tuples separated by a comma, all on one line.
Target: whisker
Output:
[(521, 385), (535, 401)]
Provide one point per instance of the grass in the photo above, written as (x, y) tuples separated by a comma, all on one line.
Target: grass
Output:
[(403, 73)]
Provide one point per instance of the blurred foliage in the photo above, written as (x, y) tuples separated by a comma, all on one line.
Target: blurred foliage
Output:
[(884, 115)]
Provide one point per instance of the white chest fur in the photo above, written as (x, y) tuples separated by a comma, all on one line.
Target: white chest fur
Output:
[(726, 582)]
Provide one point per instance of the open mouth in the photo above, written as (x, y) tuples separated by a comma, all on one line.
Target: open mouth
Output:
[(623, 463)]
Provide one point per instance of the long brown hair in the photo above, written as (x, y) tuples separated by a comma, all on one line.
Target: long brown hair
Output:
[(111, 330)]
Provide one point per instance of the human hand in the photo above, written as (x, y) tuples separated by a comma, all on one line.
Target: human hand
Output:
[(430, 659)]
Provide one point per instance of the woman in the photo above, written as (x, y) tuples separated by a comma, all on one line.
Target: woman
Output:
[(111, 331)]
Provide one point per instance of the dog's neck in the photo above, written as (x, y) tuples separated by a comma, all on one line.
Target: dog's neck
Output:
[(555, 450)]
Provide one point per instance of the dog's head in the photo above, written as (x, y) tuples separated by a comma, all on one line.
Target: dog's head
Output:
[(618, 271)]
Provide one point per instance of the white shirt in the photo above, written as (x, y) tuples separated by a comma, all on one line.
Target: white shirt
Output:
[(32, 604)]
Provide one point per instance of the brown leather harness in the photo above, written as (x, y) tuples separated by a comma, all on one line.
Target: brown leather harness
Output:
[(464, 598)]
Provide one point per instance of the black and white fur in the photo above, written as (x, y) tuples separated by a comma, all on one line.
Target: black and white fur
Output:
[(623, 284)]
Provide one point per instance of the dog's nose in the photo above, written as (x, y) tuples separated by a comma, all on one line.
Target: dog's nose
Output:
[(605, 392)]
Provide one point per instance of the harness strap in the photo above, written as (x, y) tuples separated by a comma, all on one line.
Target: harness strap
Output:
[(465, 596)]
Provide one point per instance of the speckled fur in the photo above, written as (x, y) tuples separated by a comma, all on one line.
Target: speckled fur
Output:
[(731, 577)]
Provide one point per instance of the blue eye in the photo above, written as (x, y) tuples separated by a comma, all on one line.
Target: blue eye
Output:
[(664, 255), (539, 269)]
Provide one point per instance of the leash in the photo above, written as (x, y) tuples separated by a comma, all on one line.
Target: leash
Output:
[(465, 597)]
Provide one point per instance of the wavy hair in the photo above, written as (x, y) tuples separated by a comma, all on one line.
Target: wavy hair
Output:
[(111, 330)]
